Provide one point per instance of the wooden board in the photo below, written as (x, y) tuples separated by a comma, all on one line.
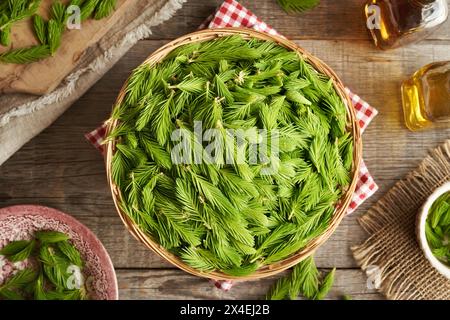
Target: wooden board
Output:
[(45, 75), (23, 116), (60, 169)]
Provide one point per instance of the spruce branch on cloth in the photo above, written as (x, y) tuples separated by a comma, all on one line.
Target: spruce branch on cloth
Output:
[(33, 114)]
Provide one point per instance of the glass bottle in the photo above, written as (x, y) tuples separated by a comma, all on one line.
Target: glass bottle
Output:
[(394, 23), (426, 96)]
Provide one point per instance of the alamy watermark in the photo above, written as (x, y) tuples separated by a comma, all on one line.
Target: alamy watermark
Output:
[(76, 278), (373, 17), (227, 146)]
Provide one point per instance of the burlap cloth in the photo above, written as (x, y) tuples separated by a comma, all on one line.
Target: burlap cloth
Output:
[(24, 116), (392, 248)]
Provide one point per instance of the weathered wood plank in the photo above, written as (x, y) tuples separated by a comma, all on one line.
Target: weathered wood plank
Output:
[(333, 20), (390, 149), (174, 284)]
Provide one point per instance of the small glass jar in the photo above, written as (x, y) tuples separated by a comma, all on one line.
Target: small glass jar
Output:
[(426, 96), (394, 23)]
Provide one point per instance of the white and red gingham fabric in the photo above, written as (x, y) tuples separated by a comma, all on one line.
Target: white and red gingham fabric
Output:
[(232, 14)]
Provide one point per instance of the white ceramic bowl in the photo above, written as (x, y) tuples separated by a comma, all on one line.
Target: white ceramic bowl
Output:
[(420, 230)]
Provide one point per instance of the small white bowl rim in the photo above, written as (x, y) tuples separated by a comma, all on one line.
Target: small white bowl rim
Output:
[(435, 262)]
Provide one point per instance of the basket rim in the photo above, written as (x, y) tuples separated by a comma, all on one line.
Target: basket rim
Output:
[(344, 202)]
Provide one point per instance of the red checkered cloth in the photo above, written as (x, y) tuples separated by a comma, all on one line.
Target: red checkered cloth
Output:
[(233, 14)]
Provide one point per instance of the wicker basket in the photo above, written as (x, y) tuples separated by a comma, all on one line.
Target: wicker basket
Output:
[(341, 209)]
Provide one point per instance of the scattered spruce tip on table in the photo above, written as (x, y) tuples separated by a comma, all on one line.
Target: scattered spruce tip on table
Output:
[(295, 6), (304, 280), (48, 33), (47, 277), (229, 215), (437, 228)]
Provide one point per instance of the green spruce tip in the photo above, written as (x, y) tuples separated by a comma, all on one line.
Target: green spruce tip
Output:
[(17, 251), (12, 287), (58, 13), (280, 290), (304, 279), (48, 33), (230, 217), (12, 12), (51, 236), (88, 8), (296, 6), (48, 281), (326, 285), (14, 247), (54, 35), (5, 36), (104, 9), (40, 29)]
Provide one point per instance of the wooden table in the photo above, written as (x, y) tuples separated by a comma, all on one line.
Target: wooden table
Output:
[(59, 168)]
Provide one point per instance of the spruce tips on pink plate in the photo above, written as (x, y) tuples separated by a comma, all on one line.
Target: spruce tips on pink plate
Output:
[(48, 255)]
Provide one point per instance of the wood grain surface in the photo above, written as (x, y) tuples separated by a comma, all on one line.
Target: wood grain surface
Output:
[(59, 168)]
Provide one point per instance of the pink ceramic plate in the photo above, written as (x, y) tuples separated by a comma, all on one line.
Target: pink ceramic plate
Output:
[(20, 223)]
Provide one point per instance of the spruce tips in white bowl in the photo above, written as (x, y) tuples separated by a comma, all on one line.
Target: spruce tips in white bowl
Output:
[(433, 229)]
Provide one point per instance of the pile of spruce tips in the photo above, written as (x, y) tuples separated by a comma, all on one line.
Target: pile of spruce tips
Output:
[(231, 216)]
